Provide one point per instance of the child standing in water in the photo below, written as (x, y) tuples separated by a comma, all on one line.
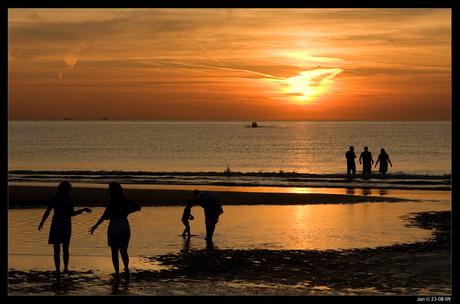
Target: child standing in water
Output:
[(187, 216)]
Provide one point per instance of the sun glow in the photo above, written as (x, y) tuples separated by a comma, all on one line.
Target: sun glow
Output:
[(311, 83)]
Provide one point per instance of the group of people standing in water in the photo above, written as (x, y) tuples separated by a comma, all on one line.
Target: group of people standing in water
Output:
[(366, 160), (120, 206), (118, 231)]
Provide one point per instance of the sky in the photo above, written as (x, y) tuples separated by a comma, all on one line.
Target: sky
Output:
[(248, 64)]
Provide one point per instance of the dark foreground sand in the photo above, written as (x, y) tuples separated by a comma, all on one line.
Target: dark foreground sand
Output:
[(38, 196), (422, 268)]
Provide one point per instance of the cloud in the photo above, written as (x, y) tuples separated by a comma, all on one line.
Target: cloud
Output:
[(71, 58)]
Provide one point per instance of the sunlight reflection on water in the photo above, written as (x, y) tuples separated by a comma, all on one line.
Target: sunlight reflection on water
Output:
[(156, 230)]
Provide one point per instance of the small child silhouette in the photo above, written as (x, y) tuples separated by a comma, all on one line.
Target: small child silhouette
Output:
[(187, 216)]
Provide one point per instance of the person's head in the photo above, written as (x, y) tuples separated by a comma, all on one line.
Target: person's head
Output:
[(195, 193), (65, 188), (382, 151), (366, 148), (352, 148), (190, 203), (116, 191)]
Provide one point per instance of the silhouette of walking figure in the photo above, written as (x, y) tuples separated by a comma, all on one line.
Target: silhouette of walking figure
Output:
[(384, 159), (350, 155), (61, 225), (366, 156), (212, 211), (118, 232)]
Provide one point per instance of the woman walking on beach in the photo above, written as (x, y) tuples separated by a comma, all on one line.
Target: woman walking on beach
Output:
[(212, 210), (118, 232), (61, 225), (384, 159)]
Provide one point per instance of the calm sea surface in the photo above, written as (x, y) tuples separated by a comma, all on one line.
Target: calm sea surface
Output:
[(137, 151)]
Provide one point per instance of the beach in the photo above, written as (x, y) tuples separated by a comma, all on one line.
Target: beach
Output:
[(293, 152), (38, 196), (422, 267)]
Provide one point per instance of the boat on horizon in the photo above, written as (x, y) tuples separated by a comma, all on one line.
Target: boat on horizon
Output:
[(254, 124)]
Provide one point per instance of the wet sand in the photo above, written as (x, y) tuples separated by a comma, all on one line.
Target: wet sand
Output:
[(422, 268), (38, 196)]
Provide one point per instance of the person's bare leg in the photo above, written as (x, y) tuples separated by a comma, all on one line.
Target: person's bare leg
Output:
[(125, 258), (210, 231), (65, 250), (57, 259), (115, 261)]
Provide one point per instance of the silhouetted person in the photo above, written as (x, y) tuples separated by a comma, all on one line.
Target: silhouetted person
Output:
[(118, 232), (187, 216), (61, 225), (384, 159), (212, 211), (366, 156), (350, 155)]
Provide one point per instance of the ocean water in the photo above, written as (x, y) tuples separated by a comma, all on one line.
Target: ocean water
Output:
[(228, 153), (296, 154)]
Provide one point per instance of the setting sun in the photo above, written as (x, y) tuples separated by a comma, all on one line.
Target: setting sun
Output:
[(311, 83)]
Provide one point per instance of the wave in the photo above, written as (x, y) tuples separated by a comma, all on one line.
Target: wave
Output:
[(241, 179)]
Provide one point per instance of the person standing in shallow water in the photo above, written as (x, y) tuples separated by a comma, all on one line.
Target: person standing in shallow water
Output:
[(187, 216), (367, 162), (350, 156), (61, 225), (384, 159), (212, 210), (118, 232)]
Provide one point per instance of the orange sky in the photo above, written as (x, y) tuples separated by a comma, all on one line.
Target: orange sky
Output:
[(250, 64)]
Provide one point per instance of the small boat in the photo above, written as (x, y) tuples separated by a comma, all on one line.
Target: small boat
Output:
[(254, 124), (105, 118), (66, 118)]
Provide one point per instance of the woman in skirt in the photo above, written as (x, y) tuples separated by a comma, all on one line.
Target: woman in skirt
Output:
[(118, 232), (61, 225)]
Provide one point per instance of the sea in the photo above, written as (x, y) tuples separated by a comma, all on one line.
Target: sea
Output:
[(276, 154)]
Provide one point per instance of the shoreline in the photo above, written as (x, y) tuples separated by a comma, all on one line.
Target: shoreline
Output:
[(94, 196)]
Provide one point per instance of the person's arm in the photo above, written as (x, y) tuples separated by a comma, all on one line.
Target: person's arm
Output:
[(91, 230), (45, 216), (104, 216), (73, 213), (378, 159), (361, 156), (134, 206), (390, 162)]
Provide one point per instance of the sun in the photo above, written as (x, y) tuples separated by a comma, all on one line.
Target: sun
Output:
[(310, 84)]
